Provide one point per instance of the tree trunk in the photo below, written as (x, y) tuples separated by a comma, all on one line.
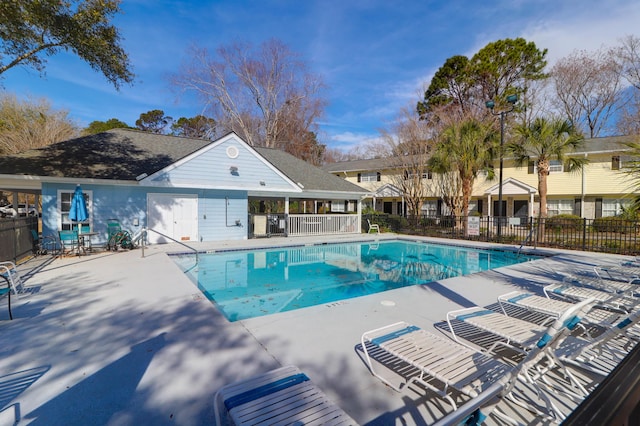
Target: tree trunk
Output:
[(543, 172)]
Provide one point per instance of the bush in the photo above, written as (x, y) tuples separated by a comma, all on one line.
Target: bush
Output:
[(397, 223), (569, 222), (428, 221), (613, 224)]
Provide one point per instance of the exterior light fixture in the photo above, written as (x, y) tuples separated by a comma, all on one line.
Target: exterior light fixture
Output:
[(511, 99)]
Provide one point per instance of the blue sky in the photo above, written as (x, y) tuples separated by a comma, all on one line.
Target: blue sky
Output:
[(375, 56)]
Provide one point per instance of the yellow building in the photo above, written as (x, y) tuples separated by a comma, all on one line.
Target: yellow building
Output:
[(601, 188)]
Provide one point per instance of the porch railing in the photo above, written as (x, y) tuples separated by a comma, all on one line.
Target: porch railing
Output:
[(323, 224)]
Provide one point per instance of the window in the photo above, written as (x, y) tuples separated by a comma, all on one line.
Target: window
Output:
[(475, 206), (369, 177), (424, 175), (338, 206), (64, 205), (613, 207), (555, 166), (430, 208), (615, 162), (556, 207)]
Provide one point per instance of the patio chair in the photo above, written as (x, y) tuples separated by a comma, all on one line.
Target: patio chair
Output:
[(7, 291), (9, 272), (70, 242), (42, 244), (281, 396), (118, 238), (443, 365), (373, 227)]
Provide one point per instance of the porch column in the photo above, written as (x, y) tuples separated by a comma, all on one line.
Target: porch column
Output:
[(14, 201), (489, 205), (286, 206), (531, 205), (359, 224)]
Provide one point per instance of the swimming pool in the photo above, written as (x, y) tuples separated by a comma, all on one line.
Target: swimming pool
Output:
[(247, 284)]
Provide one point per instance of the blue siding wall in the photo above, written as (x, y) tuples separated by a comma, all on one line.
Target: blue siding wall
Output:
[(217, 210), (213, 169)]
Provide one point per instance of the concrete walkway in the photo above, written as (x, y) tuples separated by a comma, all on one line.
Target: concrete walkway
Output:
[(118, 339)]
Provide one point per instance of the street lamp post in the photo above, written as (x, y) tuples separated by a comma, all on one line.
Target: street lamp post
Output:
[(511, 99)]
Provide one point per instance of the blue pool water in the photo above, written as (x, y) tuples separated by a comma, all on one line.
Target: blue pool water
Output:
[(247, 284)]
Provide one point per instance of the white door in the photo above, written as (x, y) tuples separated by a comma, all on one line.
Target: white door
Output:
[(175, 216)]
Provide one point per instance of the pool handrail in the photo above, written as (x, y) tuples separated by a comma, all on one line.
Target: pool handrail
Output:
[(146, 232)]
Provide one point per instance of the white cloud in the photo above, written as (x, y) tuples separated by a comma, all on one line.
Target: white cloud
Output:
[(587, 27), (348, 140)]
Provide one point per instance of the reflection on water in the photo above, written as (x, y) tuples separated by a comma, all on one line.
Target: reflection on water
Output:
[(247, 284)]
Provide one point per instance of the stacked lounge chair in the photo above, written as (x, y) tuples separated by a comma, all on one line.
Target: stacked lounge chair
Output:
[(445, 366)]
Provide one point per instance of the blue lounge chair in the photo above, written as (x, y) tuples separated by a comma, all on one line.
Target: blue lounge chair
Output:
[(284, 396)]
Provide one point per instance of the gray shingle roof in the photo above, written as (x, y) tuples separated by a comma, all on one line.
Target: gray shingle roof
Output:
[(604, 144), (299, 171), (124, 154), (118, 154)]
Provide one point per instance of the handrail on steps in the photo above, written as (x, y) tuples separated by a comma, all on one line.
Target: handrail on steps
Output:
[(531, 231), (145, 231)]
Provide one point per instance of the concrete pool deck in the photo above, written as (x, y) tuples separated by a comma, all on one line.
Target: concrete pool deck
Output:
[(118, 339)]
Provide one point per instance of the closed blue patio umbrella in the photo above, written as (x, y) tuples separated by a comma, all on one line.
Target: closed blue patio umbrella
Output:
[(78, 211)]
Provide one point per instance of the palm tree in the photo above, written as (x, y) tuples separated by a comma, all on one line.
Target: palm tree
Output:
[(465, 148), (542, 141)]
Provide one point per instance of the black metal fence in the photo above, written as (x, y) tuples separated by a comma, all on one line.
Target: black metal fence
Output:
[(16, 238), (610, 235)]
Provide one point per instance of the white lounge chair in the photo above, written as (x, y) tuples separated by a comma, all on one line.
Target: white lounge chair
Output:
[(454, 366), (284, 396), (464, 369), (578, 293), (623, 272), (373, 227), (601, 283), (584, 353), (518, 334), (9, 271), (554, 308)]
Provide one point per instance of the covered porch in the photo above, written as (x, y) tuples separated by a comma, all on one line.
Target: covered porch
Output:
[(294, 216)]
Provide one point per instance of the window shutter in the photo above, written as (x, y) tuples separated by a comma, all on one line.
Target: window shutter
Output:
[(378, 176), (615, 162), (577, 207), (359, 177), (530, 167), (480, 206), (598, 207)]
